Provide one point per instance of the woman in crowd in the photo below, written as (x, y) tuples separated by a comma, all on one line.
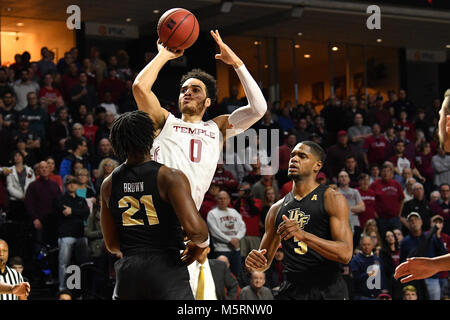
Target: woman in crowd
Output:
[(54, 176), (104, 169), (390, 256)]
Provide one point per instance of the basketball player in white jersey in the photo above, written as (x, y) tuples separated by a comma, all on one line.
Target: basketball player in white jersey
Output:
[(189, 144)]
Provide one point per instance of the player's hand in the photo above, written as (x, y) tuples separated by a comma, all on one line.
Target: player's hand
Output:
[(256, 260), (191, 253), (22, 289), (415, 269), (444, 122), (289, 228), (226, 54), (168, 53)]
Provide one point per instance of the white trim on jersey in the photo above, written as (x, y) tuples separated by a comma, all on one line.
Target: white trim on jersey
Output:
[(11, 277)]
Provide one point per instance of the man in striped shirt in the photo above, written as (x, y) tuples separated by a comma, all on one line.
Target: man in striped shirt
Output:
[(12, 286)]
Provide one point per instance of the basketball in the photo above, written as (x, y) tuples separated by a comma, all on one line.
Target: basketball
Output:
[(178, 29)]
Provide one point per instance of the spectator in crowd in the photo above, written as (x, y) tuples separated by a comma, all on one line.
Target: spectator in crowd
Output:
[(351, 167), (7, 109), (105, 168), (113, 85), (98, 64), (424, 166), (77, 134), (401, 161), (417, 204), (226, 228), (64, 63), (265, 182), (407, 174), (229, 104), (319, 131), (355, 204), (64, 295), (442, 206), (441, 166), (434, 196), (54, 176), (285, 121), (40, 204), (210, 279), (79, 115), (358, 133), (46, 65), (332, 113), (109, 104), (60, 130), (250, 209), (270, 197), (17, 264), (388, 199), (275, 275), (256, 290), (126, 101), (404, 104), (79, 153), (380, 115), (4, 86), (50, 97), (374, 147), (368, 272), (272, 126), (72, 212), (437, 222), (85, 189), (408, 191), (33, 141), (22, 87), (368, 197), (225, 180), (406, 125), (302, 132), (410, 293), (284, 154), (337, 154), (69, 80), (83, 93), (17, 182), (255, 174), (104, 150), (419, 244), (374, 173), (105, 130), (90, 129), (210, 199), (390, 257), (37, 117)]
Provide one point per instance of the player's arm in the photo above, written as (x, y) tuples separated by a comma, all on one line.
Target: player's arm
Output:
[(421, 268), (21, 290), (244, 117), (260, 260), (339, 249), (444, 122), (109, 227), (142, 86), (175, 189)]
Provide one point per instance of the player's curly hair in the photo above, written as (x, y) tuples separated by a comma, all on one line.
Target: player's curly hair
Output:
[(206, 78), (132, 133)]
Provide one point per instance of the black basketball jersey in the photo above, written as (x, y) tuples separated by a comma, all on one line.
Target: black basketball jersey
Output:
[(144, 220), (301, 261)]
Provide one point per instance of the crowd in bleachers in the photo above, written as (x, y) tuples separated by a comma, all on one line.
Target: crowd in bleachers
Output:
[(384, 156)]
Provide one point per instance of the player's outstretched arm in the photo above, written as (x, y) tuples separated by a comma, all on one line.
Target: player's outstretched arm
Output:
[(175, 189), (421, 268), (444, 122), (261, 259), (142, 86), (339, 249), (109, 227), (244, 117)]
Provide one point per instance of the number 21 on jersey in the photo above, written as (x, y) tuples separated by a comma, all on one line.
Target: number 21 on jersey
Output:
[(133, 205)]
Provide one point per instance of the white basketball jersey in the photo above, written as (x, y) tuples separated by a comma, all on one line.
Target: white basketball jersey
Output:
[(193, 148)]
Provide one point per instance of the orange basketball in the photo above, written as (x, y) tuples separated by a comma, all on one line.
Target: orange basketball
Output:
[(178, 29)]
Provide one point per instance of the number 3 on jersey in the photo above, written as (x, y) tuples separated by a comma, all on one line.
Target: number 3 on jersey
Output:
[(195, 150), (131, 217), (302, 247)]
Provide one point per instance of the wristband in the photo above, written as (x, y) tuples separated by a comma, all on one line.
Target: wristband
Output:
[(203, 244)]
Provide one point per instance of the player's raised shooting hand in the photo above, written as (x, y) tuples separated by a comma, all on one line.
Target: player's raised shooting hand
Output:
[(191, 253), (289, 228), (168, 53), (256, 260), (226, 54)]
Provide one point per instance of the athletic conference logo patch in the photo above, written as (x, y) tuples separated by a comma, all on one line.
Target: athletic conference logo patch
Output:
[(299, 216)]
